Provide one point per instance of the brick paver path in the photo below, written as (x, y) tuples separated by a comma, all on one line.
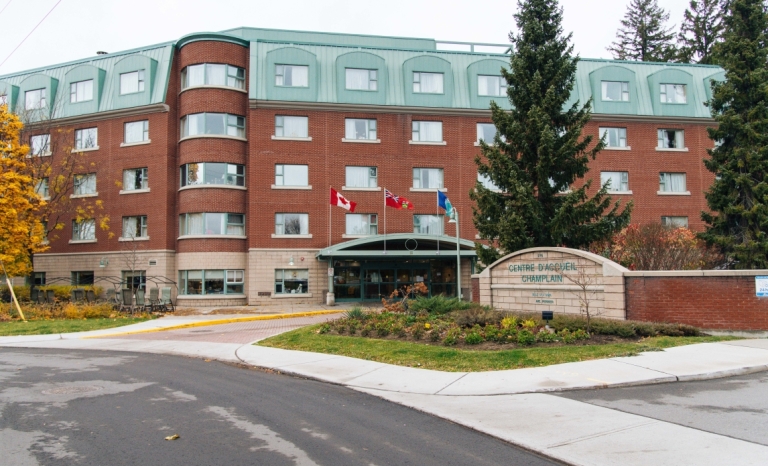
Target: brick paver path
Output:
[(241, 332)]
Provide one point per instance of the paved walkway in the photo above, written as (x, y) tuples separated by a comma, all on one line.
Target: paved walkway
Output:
[(512, 405)]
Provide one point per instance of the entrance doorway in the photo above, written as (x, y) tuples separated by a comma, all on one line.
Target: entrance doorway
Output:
[(356, 280)]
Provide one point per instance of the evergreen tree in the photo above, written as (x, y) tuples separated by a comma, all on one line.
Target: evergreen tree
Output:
[(739, 195), (702, 28), (539, 150), (644, 35)]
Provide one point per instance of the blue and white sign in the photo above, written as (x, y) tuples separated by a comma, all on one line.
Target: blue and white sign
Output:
[(761, 286)]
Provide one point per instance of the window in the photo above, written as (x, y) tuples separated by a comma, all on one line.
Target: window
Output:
[(486, 182), (292, 75), (486, 132), (361, 177), (84, 230), (199, 124), (565, 189), (291, 127), (671, 139), (81, 278), (674, 222), (87, 138), (81, 91), (200, 282), (362, 224), (291, 281), (212, 224), (40, 145), (673, 94), (85, 184), (291, 224), (427, 131), (134, 280), (136, 131), (672, 182), (41, 188), (614, 137), (491, 85), (230, 174), (135, 178), (38, 278), (427, 83), (210, 74), (361, 80), (135, 227), (615, 91), (291, 175), (619, 181), (131, 83), (428, 178), (34, 100), (428, 224), (360, 129), (4, 101)]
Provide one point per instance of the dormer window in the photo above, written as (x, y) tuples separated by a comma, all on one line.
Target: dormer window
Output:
[(34, 100), (292, 75), (361, 80), (673, 94), (81, 91), (615, 91), (491, 86), (131, 83), (427, 83)]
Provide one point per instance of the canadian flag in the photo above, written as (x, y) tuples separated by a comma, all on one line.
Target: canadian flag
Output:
[(341, 201)]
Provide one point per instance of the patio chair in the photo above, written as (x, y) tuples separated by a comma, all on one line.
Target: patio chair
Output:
[(165, 299), (126, 301), (90, 296), (78, 295), (154, 298), (34, 295), (50, 298), (141, 302), (111, 297)]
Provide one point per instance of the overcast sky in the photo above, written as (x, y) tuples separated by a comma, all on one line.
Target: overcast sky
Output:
[(76, 29)]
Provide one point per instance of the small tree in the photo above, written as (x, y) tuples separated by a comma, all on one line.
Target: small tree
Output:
[(644, 35), (586, 285), (738, 198), (130, 256), (701, 31)]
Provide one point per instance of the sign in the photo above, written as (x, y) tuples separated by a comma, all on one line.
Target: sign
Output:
[(543, 272), (330, 271), (761, 286)]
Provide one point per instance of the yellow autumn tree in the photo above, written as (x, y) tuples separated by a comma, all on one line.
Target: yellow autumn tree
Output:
[(21, 231)]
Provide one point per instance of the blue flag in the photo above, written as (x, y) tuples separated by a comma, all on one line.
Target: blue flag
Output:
[(444, 203)]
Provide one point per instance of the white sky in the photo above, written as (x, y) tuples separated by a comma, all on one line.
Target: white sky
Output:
[(78, 28)]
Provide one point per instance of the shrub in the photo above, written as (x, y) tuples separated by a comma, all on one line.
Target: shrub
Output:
[(509, 322), (367, 329), (324, 328), (438, 304), (580, 335), (473, 338), (525, 337), (399, 331), (625, 331), (492, 332), (417, 331), (529, 324), (477, 315), (452, 336), (382, 329), (546, 337), (434, 335), (356, 313), (567, 336)]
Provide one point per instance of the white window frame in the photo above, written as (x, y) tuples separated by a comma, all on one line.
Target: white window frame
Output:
[(418, 76), (480, 132), (281, 173), (42, 188), (663, 140), (38, 99), (86, 139), (234, 76), (234, 175), (668, 93), (135, 174), (84, 230), (372, 80), (294, 274), (501, 87), (280, 220), (135, 124), (624, 92), (623, 181), (620, 136), (81, 91), (350, 129), (139, 82), (81, 183), (487, 183), (40, 149), (231, 224), (373, 178), (139, 226), (437, 220), (436, 173), (280, 121), (418, 131), (368, 222), (665, 184), (280, 73), (233, 125), (674, 221)]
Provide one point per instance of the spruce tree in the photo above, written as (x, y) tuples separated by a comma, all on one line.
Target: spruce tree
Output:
[(738, 198), (644, 35), (539, 150), (701, 30)]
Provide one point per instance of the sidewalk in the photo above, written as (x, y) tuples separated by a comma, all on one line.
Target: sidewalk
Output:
[(511, 405)]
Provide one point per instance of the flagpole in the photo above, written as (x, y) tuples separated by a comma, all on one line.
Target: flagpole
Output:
[(329, 223), (385, 220), (437, 214)]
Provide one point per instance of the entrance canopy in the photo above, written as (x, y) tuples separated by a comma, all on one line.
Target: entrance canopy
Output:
[(399, 245)]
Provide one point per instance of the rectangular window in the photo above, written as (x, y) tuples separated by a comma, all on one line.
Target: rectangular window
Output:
[(361, 177), (673, 94), (135, 178), (671, 139), (199, 282), (84, 230), (427, 83), (136, 131), (428, 224), (491, 86), (81, 91), (210, 74), (427, 131), (212, 173), (85, 184), (672, 182), (291, 224), (135, 227), (291, 127), (362, 224), (674, 222), (212, 223), (81, 278), (38, 278), (235, 77), (292, 175), (486, 132), (292, 75), (87, 138), (619, 181), (198, 124), (41, 188), (361, 80), (615, 91), (428, 178), (4, 101), (131, 83), (360, 129), (614, 137), (291, 281), (134, 279), (235, 281), (486, 182), (40, 145), (34, 100)]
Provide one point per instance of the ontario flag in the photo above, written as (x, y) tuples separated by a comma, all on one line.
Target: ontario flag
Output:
[(397, 202), (341, 201)]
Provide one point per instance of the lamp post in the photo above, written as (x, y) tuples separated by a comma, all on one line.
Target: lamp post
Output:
[(454, 215)]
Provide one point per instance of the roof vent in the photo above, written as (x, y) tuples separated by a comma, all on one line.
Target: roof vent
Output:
[(101, 52)]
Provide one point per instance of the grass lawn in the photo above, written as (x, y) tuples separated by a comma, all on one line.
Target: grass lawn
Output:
[(44, 327), (403, 353)]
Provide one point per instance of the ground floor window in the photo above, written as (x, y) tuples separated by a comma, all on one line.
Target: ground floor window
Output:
[(134, 280), (37, 279), (82, 278), (291, 281), (210, 282)]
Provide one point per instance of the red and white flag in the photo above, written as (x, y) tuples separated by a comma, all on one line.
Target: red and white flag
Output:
[(341, 201)]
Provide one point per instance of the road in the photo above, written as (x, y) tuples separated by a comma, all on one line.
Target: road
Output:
[(110, 408)]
